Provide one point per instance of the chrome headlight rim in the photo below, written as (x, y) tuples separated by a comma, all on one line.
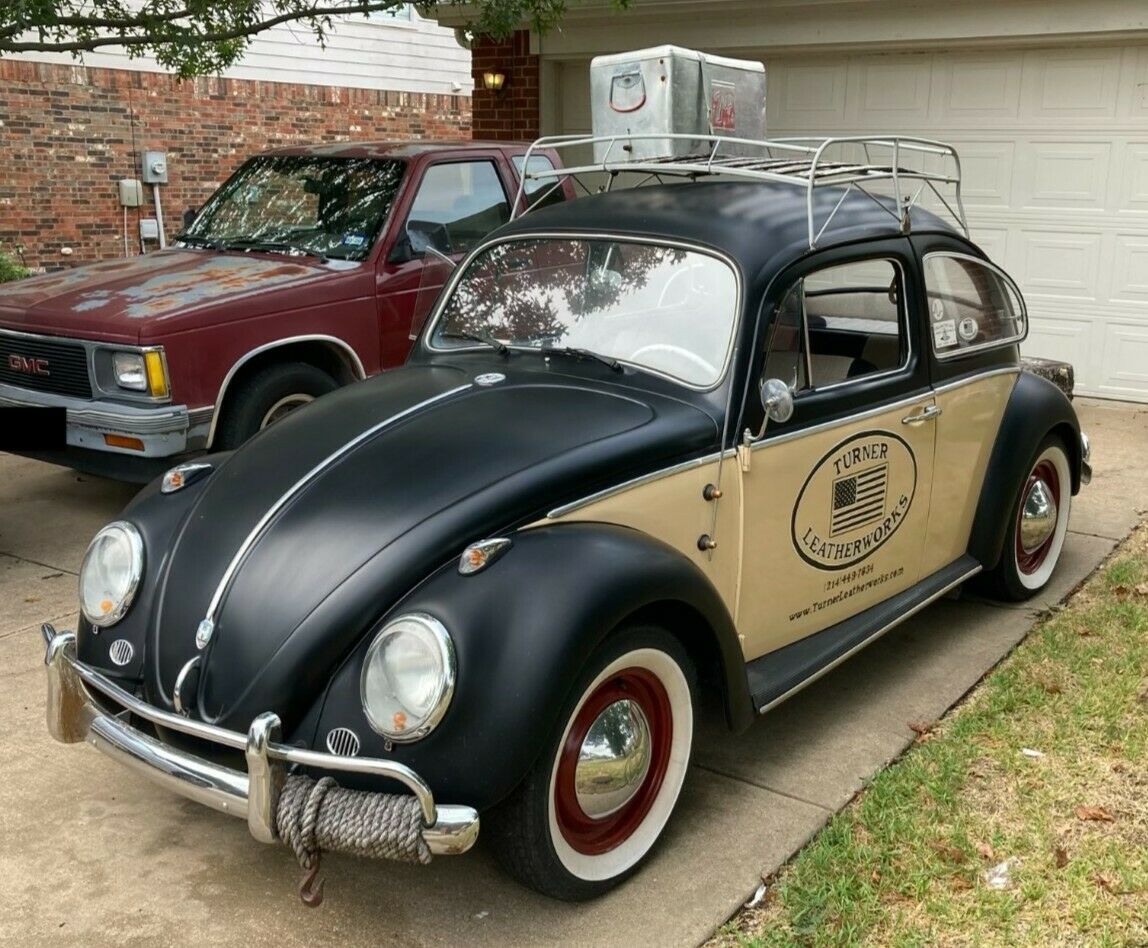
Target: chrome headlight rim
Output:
[(136, 545), (445, 645)]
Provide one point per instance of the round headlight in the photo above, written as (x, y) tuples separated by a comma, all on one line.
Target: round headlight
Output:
[(111, 574), (408, 677)]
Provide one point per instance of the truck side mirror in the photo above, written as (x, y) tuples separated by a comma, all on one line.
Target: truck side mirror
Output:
[(402, 251), (189, 215)]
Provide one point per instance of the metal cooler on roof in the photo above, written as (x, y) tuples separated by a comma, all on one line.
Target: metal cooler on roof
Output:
[(667, 89)]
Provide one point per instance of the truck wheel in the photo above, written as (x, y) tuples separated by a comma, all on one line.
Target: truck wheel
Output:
[(269, 395), (1037, 525), (600, 794)]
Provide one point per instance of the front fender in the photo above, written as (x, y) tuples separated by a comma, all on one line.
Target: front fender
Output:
[(523, 630), (1035, 409)]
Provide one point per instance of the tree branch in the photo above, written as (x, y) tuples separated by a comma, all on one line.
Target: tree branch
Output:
[(253, 29)]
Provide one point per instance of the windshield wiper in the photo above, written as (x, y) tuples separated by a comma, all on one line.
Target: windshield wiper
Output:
[(275, 246), (577, 353), (197, 241), (494, 344)]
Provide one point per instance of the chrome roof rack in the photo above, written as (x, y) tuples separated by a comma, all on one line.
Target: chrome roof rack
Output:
[(853, 163)]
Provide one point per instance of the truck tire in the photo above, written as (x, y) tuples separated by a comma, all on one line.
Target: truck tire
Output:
[(596, 801), (267, 396)]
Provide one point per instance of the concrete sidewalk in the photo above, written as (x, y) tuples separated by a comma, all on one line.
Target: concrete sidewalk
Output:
[(94, 855)]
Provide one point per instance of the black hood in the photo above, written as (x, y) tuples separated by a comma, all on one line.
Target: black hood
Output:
[(385, 481)]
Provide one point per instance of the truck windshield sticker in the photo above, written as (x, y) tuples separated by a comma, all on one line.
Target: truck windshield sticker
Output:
[(945, 333), (855, 499)]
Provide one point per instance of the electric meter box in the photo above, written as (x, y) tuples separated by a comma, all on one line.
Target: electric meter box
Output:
[(670, 90), (131, 192)]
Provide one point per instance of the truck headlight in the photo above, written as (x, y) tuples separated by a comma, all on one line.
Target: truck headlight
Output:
[(408, 677), (141, 371), (111, 573)]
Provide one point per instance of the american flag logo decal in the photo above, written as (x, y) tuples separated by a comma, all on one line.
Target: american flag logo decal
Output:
[(858, 500)]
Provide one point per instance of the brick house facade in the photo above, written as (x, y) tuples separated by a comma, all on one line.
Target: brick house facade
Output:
[(69, 133), (511, 114)]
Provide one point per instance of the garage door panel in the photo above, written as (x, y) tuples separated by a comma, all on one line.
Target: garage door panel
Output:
[(1058, 264), (986, 172), (1062, 174), (807, 96), (893, 90), (973, 89), (1130, 270), (1065, 338), (1073, 85), (1133, 179), (1126, 358)]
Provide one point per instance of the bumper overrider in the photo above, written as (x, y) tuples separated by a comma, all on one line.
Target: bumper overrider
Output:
[(73, 717)]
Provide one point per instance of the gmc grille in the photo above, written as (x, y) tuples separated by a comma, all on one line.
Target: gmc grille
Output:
[(45, 365)]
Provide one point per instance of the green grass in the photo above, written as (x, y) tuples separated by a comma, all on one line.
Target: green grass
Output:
[(904, 864)]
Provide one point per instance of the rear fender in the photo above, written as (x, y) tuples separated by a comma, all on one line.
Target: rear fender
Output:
[(1035, 409), (524, 629)]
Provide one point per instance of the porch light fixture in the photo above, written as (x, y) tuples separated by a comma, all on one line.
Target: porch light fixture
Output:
[(493, 81)]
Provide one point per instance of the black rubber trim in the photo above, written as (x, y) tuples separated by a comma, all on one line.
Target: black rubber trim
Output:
[(775, 674)]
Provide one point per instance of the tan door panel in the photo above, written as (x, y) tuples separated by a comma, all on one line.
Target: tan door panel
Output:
[(673, 508), (835, 523), (971, 413)]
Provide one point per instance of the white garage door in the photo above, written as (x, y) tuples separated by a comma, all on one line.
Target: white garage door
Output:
[(1054, 144)]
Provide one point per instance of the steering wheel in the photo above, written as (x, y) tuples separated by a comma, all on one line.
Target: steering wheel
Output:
[(684, 355)]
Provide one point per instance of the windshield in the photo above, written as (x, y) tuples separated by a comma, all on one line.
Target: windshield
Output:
[(661, 308), (331, 207)]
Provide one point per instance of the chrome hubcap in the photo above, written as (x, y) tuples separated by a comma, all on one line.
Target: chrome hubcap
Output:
[(614, 759), (283, 407), (1038, 517)]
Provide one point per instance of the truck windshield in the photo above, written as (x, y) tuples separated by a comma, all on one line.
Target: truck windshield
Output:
[(665, 309), (330, 207)]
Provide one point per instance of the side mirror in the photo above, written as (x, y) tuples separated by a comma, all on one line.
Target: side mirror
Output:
[(189, 215), (777, 400), (402, 251)]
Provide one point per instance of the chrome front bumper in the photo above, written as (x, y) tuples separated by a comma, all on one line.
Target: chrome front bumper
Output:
[(254, 796), (164, 429), (1085, 459)]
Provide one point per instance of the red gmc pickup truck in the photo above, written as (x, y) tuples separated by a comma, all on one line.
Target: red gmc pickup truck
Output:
[(310, 268)]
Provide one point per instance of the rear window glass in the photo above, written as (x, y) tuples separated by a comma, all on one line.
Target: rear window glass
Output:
[(972, 306)]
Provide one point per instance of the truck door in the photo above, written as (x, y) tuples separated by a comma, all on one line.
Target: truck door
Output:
[(456, 204)]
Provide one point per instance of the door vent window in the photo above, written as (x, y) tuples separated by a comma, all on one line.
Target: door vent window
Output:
[(972, 306)]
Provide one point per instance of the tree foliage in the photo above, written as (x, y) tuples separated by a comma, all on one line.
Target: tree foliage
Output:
[(201, 37)]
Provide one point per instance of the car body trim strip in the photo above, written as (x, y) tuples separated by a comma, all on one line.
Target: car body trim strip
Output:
[(246, 546)]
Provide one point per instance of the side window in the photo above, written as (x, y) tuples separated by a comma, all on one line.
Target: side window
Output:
[(854, 326), (457, 204), (539, 193), (971, 306)]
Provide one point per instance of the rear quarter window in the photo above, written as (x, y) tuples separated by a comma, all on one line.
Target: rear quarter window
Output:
[(972, 305)]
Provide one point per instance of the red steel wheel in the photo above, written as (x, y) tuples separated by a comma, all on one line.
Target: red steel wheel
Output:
[(613, 761), (1036, 517)]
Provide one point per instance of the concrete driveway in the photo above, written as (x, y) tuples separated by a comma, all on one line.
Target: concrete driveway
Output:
[(93, 855)]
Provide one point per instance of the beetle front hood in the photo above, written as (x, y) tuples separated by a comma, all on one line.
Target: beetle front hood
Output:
[(311, 532)]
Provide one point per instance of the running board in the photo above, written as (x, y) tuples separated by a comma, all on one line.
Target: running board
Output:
[(779, 674)]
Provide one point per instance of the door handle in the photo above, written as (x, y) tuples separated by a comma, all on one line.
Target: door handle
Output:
[(929, 411)]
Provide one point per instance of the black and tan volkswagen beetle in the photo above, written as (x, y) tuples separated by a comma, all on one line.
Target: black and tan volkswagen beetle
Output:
[(666, 442)]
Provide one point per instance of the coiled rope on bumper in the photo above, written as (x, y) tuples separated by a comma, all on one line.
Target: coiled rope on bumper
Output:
[(316, 815)]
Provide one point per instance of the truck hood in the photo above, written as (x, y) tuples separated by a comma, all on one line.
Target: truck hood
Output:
[(122, 300), (319, 525)]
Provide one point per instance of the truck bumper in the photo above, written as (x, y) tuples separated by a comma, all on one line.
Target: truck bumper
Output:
[(74, 717), (141, 434)]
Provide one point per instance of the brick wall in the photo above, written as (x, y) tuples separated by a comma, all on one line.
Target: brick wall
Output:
[(512, 114), (66, 138)]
